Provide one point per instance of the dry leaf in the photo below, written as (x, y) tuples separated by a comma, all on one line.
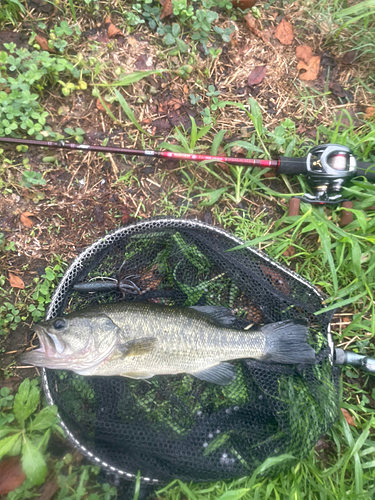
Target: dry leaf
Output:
[(244, 4), (276, 278), (112, 30), (174, 103), (132, 41), (167, 8), (264, 35), (48, 489), (304, 53), (15, 281), (321, 445), (100, 106), (143, 62), (11, 475), (43, 43), (252, 24), (348, 417), (312, 68), (284, 32), (349, 57), (257, 75), (370, 111), (289, 252), (25, 219)]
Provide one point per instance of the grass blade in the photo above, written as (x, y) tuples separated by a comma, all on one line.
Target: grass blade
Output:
[(325, 240), (234, 494), (342, 303), (137, 488), (129, 112), (131, 78), (187, 491), (217, 141)]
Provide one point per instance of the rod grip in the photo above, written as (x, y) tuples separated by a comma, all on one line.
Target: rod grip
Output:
[(292, 166), (367, 169)]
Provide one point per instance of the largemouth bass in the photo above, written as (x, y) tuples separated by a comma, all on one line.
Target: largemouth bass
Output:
[(140, 340)]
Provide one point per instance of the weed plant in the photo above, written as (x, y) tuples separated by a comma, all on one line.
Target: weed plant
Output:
[(341, 261), (10, 12), (196, 23), (26, 426), (26, 74)]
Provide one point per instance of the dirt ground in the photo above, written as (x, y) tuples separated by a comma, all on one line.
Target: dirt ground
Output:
[(83, 197), (87, 194)]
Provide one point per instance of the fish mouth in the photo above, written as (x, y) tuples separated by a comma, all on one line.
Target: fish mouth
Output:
[(48, 354)]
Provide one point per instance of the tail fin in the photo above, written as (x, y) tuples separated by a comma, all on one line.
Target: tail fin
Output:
[(286, 342)]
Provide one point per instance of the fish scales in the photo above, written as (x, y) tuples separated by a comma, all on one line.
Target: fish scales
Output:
[(141, 340), (186, 341)]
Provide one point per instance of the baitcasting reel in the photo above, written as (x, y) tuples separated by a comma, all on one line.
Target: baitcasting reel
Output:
[(329, 167)]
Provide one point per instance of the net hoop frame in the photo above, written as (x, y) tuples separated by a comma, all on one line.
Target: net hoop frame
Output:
[(104, 243)]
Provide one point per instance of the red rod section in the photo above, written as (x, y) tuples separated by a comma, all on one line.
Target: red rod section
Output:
[(139, 152)]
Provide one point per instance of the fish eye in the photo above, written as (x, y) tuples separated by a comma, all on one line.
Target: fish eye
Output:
[(59, 324)]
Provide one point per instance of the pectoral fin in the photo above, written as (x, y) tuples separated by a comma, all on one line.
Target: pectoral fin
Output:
[(137, 347), (222, 374)]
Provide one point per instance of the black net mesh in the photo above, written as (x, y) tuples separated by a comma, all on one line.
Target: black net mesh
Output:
[(179, 426)]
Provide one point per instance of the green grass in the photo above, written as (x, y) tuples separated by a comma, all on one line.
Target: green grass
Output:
[(341, 261)]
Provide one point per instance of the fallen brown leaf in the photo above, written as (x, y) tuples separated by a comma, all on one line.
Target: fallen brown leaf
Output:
[(15, 281), (268, 175), (276, 278), (252, 24), (312, 68), (337, 90), (349, 57), (112, 30), (48, 489), (289, 252), (174, 103), (143, 62), (43, 43), (284, 32), (244, 4), (132, 41), (100, 106), (257, 75), (321, 445), (11, 474), (264, 35), (125, 216), (167, 8), (25, 219), (348, 417), (304, 53), (370, 111)]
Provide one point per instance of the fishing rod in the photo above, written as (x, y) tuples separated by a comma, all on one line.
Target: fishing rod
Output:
[(328, 167)]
